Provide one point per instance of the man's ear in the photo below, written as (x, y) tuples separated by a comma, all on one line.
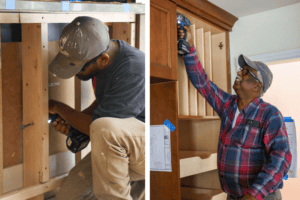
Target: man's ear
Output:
[(258, 87), (103, 59)]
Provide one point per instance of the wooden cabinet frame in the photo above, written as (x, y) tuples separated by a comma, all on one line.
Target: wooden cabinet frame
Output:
[(35, 84)]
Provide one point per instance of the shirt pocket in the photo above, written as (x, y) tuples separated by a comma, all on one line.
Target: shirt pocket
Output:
[(249, 137)]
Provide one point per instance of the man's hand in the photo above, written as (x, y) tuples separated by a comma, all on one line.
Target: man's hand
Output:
[(248, 197), (60, 125), (188, 35)]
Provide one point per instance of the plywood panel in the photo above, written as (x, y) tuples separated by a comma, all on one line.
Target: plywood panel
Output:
[(183, 88), (199, 135), (200, 54), (193, 108), (35, 105), (122, 31), (219, 61), (207, 180), (12, 103), (208, 66)]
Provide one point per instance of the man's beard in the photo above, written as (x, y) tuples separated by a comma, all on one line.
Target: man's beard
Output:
[(87, 77)]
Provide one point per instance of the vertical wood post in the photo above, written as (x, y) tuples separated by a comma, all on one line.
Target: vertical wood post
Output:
[(35, 104), (78, 108), (1, 125)]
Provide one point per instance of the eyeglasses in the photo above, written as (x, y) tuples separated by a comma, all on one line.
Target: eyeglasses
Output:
[(92, 61), (245, 71)]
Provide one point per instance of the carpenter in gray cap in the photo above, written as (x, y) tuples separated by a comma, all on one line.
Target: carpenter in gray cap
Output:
[(264, 76), (81, 40)]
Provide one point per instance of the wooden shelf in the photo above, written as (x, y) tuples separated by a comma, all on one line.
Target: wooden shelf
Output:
[(203, 194), (196, 162), (182, 117)]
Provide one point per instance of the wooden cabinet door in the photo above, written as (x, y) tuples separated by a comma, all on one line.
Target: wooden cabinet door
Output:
[(164, 105), (163, 39)]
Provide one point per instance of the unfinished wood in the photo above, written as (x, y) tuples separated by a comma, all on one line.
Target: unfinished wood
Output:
[(163, 105), (77, 94), (12, 103), (39, 189), (183, 88), (193, 108), (67, 18), (35, 104), (219, 62), (196, 162), (121, 31), (1, 123), (203, 194), (198, 135), (138, 31), (210, 12), (201, 57), (62, 90), (163, 51), (132, 37), (208, 66), (207, 180), (200, 118), (9, 18)]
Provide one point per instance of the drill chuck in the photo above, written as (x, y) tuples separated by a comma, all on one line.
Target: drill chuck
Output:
[(183, 45)]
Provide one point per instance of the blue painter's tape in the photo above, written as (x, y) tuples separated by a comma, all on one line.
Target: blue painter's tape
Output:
[(169, 125), (288, 119), (10, 4), (65, 6), (126, 7), (286, 177)]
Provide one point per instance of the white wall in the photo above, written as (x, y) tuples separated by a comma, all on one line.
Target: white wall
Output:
[(267, 32)]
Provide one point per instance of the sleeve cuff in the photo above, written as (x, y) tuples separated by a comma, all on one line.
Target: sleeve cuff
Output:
[(192, 49)]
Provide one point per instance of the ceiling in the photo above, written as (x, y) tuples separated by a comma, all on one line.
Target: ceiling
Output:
[(240, 8)]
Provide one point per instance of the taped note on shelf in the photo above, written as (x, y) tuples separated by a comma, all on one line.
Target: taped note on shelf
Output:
[(291, 131), (160, 148), (65, 6)]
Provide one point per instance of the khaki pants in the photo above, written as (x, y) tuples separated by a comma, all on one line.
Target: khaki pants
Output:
[(272, 196), (115, 167)]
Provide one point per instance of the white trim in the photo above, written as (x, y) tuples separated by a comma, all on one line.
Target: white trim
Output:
[(277, 56)]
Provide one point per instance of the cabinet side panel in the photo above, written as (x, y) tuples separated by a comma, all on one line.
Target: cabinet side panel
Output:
[(163, 105)]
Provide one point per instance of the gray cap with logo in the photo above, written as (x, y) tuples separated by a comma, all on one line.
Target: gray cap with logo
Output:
[(83, 39), (264, 70)]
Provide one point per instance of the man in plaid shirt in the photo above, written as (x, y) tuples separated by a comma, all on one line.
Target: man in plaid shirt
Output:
[(253, 149)]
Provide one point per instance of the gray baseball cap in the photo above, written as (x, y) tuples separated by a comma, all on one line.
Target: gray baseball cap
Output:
[(264, 70), (83, 39)]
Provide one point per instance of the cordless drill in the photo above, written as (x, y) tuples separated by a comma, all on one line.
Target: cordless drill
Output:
[(76, 140), (183, 45)]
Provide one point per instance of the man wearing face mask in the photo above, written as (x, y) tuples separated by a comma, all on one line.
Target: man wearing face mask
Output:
[(253, 149), (115, 167)]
